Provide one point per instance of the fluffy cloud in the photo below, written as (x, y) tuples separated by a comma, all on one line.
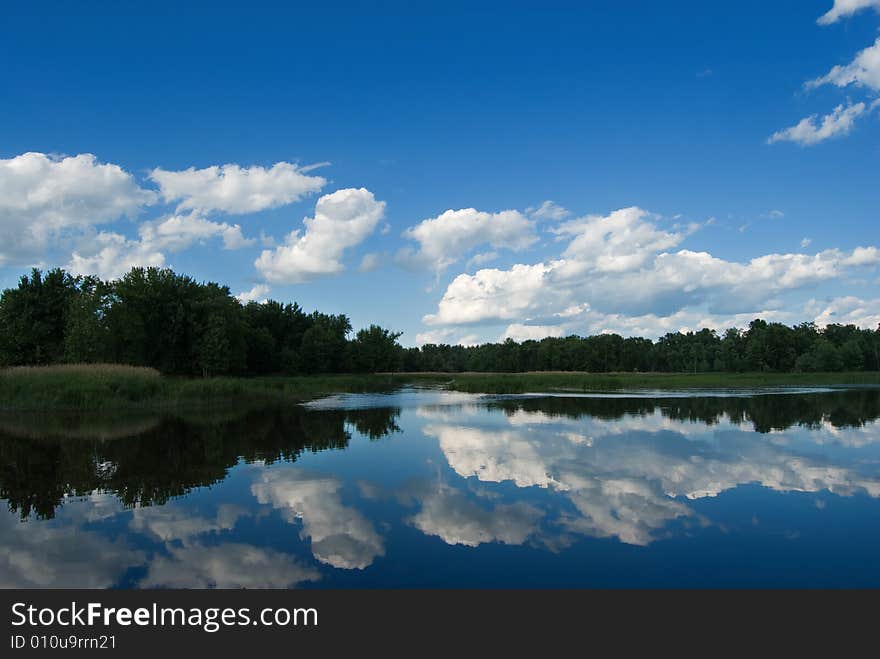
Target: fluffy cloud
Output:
[(520, 332), (175, 523), (863, 71), (445, 239), (341, 536), (808, 132), (111, 255), (456, 520), (843, 310), (862, 256), (48, 201), (844, 8), (617, 264), (618, 242), (57, 554), (848, 310), (181, 231), (629, 477), (435, 336), (492, 294), (447, 335), (234, 189), (342, 220), (686, 320), (44, 196), (608, 503), (630, 510), (230, 565), (63, 554), (256, 294), (494, 455)]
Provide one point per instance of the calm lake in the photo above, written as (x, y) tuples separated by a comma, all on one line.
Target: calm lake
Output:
[(423, 488)]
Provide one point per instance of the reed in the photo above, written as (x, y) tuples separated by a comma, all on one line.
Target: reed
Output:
[(118, 387), (537, 382), (114, 387)]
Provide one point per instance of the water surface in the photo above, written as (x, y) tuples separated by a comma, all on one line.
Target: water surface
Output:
[(423, 488)]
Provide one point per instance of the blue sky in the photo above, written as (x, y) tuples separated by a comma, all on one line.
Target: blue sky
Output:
[(706, 162)]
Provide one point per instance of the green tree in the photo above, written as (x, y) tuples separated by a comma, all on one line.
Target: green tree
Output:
[(375, 349), (323, 347), (34, 317), (86, 332), (213, 348)]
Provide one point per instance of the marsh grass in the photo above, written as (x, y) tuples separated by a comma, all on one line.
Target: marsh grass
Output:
[(77, 386), (517, 383), (91, 370), (116, 387), (112, 387)]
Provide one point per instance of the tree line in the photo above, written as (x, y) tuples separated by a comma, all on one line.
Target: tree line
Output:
[(168, 321), (763, 346), (158, 318)]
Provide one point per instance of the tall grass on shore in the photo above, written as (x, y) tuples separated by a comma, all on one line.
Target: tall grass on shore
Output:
[(76, 386), (117, 386), (517, 383)]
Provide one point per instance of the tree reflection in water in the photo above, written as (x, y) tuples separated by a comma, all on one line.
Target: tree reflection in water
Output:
[(310, 493), (169, 458)]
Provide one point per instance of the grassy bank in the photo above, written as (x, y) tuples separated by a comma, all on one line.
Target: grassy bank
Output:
[(110, 387), (514, 383), (115, 387)]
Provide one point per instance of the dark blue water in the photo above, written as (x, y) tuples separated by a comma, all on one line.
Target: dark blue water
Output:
[(436, 489)]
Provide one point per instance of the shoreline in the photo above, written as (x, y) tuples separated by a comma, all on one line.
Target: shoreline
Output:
[(111, 388)]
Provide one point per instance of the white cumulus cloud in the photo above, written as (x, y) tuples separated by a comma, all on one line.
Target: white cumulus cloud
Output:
[(617, 242), (342, 220), (846, 310), (178, 232), (627, 479), (456, 520), (863, 71), (844, 8), (110, 255), (492, 294), (612, 271), (449, 336), (230, 565), (811, 130), (520, 332), (234, 189), (256, 294), (340, 536), (43, 196), (445, 239)]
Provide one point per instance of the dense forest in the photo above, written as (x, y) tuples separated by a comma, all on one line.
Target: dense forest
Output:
[(158, 318)]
